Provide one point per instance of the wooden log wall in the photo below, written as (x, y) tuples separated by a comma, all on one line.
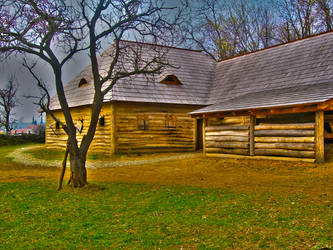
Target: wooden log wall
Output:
[(229, 135), (57, 138), (292, 140), (157, 137)]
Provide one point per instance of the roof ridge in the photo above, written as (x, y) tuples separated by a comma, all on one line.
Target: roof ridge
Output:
[(165, 46), (276, 45)]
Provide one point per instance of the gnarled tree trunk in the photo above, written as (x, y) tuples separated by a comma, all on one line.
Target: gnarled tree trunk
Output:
[(78, 177)]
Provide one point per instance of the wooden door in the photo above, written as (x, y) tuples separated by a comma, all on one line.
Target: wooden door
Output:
[(199, 142)]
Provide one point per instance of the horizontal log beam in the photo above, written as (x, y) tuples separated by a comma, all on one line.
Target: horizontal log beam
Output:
[(219, 128), (284, 139), (214, 144), (230, 133), (290, 145), (228, 151), (300, 126), (285, 152), (284, 132), (273, 158), (227, 138)]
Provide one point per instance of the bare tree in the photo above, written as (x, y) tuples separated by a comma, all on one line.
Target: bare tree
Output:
[(8, 102), (298, 19), (43, 28), (224, 28), (325, 12)]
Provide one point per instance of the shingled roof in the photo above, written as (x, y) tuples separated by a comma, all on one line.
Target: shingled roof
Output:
[(287, 74), (290, 96), (292, 73), (194, 70)]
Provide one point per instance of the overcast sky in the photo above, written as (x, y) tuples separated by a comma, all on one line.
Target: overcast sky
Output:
[(13, 66)]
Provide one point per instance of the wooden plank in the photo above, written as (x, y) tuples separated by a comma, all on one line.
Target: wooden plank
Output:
[(204, 125), (227, 138), (284, 139), (288, 145), (319, 137), (285, 126), (214, 144), (236, 151), (291, 132), (259, 157), (231, 133), (291, 110), (234, 120), (285, 152), (221, 128), (252, 126)]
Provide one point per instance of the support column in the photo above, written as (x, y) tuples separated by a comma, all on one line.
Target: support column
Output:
[(319, 137), (204, 125), (113, 129), (252, 124)]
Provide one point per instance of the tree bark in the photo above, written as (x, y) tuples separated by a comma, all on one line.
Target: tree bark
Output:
[(63, 169), (78, 169)]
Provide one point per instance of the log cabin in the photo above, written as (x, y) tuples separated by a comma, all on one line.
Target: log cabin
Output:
[(275, 102)]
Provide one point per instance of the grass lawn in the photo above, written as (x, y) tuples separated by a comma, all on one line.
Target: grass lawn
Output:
[(192, 203), (54, 154)]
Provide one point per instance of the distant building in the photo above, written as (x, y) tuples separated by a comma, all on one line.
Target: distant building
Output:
[(32, 127)]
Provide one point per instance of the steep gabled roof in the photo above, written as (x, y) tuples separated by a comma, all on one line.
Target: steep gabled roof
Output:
[(194, 70)]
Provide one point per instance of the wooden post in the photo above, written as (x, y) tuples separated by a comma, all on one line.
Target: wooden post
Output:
[(319, 137), (204, 124), (113, 129), (195, 135), (252, 125)]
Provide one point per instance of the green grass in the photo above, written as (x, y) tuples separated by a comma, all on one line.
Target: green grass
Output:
[(4, 151), (58, 154), (44, 153), (116, 215), (54, 154), (6, 140)]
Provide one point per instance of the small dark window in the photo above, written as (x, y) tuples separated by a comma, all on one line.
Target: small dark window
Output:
[(81, 125), (171, 79), (142, 122), (327, 127), (57, 125), (102, 121), (83, 82), (170, 122)]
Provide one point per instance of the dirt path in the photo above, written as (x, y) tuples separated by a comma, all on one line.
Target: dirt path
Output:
[(21, 157)]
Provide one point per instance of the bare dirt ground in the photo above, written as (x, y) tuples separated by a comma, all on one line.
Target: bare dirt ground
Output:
[(280, 177)]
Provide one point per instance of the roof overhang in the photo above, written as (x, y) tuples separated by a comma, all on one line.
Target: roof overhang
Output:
[(273, 110)]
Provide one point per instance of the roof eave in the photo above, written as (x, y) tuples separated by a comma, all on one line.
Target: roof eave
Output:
[(269, 110)]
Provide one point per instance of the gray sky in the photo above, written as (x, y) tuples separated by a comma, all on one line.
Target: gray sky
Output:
[(27, 85), (13, 66)]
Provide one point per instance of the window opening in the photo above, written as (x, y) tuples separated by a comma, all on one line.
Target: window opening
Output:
[(83, 82), (142, 122)]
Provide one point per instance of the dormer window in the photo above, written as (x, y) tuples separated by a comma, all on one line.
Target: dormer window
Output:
[(171, 79), (83, 82)]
